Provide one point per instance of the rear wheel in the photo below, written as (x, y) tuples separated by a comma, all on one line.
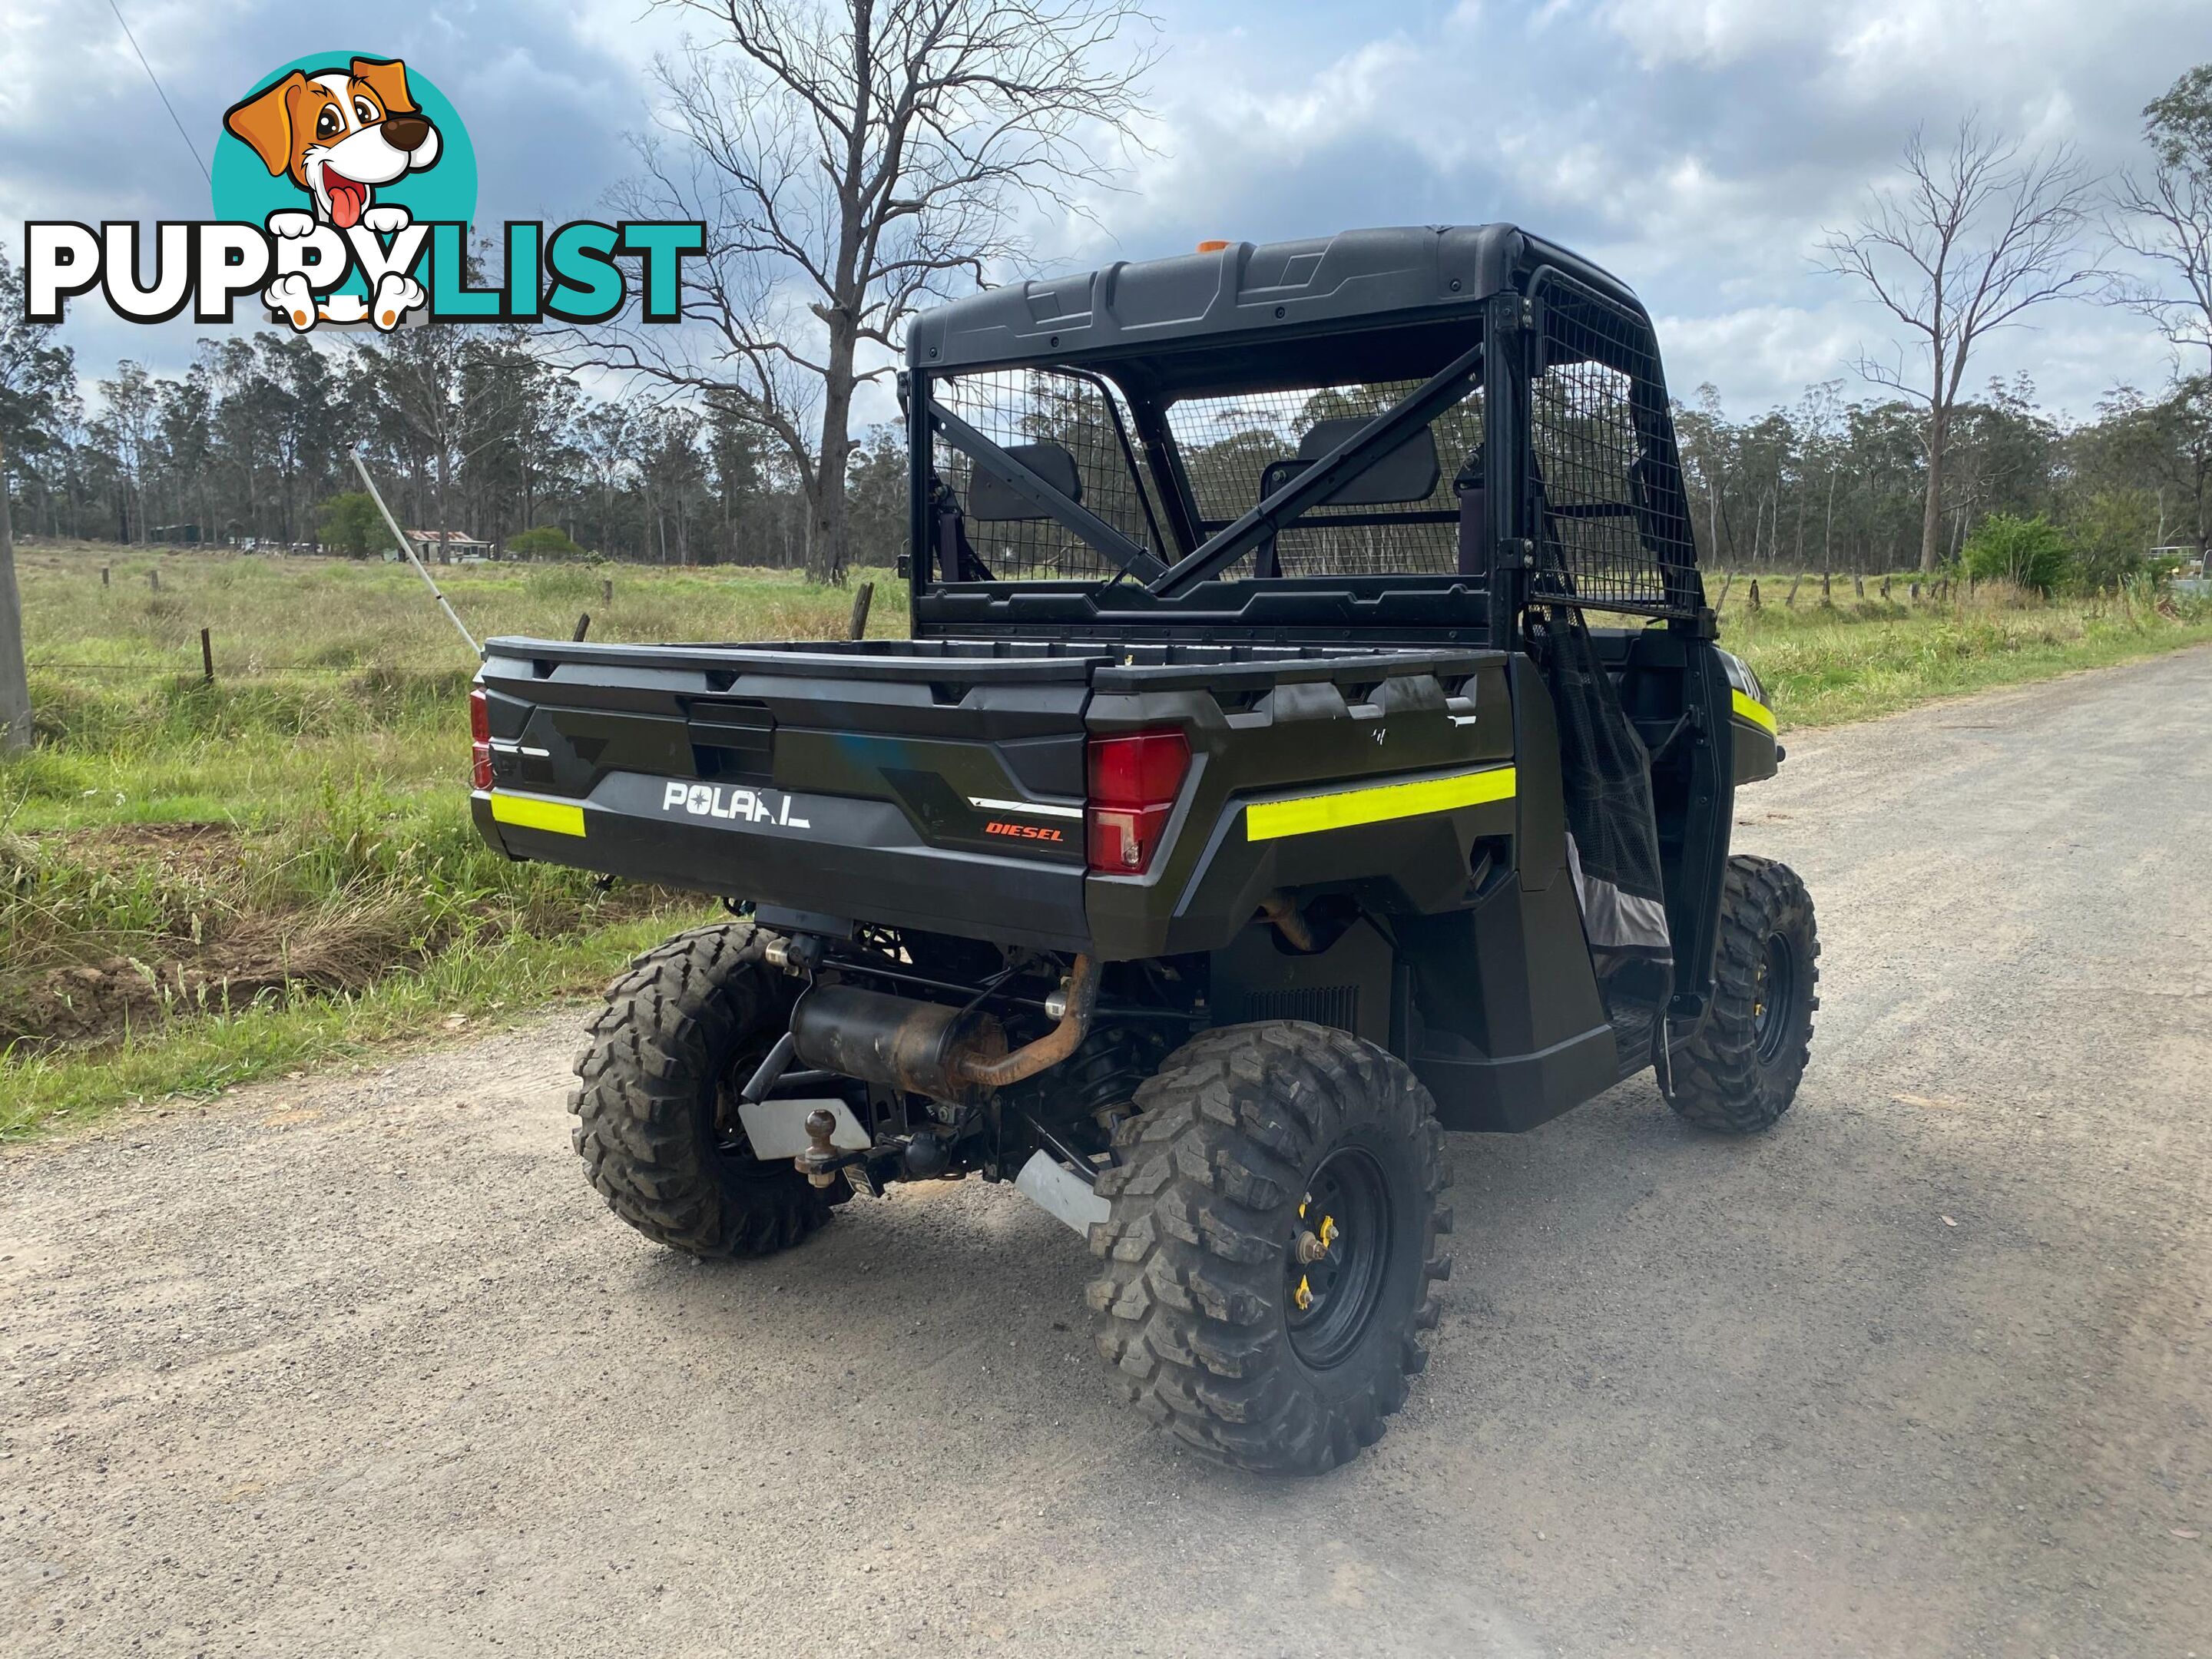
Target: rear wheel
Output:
[(656, 1127), (1741, 1072), (1274, 1238)]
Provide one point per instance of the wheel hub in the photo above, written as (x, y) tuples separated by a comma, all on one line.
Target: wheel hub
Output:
[(1334, 1265), (1774, 994)]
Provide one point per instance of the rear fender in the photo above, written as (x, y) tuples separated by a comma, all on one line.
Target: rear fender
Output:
[(1337, 746)]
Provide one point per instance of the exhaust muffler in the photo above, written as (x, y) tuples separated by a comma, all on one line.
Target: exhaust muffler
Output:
[(926, 1047)]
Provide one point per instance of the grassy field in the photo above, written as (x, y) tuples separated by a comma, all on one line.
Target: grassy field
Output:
[(200, 884), (1824, 666)]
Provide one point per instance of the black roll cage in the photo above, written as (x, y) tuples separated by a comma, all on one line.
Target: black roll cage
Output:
[(1504, 346)]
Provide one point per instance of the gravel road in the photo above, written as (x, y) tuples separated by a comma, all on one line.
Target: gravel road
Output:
[(358, 1364)]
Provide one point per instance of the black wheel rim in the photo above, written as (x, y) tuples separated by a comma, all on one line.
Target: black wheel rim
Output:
[(1336, 1262), (730, 1143), (1773, 996)]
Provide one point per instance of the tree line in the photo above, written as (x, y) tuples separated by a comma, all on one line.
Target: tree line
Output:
[(853, 163), (465, 428), (1827, 484), (473, 430)]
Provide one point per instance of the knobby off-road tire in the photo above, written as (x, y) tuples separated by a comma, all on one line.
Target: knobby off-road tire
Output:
[(1741, 1072), (1196, 1307), (656, 1120)]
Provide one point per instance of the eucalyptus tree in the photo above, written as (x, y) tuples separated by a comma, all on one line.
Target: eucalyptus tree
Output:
[(1972, 238)]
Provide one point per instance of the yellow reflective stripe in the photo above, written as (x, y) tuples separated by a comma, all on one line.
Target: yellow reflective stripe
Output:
[(557, 818), (1273, 819), (1752, 710)]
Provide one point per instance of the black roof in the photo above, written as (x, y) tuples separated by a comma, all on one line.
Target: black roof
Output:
[(1404, 274)]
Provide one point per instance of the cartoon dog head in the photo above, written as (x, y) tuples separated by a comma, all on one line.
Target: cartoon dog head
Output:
[(338, 134)]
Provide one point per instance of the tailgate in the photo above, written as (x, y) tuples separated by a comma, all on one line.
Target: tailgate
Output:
[(923, 784)]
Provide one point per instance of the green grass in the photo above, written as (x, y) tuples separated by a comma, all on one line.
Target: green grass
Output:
[(477, 988), (338, 875), (335, 875), (1823, 666)]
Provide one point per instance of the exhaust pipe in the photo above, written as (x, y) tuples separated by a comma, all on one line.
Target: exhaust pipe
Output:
[(988, 1070), (928, 1048), (899, 1042)]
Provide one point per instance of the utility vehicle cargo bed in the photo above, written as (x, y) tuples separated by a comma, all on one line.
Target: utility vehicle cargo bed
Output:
[(941, 784)]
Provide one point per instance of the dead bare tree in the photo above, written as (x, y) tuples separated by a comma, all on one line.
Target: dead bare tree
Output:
[(1971, 240), (2166, 220), (851, 159)]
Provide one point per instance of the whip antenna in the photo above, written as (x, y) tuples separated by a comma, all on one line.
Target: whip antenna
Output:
[(408, 548)]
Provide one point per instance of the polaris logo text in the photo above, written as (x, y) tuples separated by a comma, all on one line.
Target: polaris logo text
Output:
[(710, 800)]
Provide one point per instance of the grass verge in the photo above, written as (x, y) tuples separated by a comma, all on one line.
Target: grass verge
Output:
[(204, 883), (477, 987), (1824, 666)]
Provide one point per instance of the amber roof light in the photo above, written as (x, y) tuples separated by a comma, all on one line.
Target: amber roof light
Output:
[(1212, 245)]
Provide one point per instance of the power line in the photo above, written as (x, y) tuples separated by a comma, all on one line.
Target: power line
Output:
[(163, 96)]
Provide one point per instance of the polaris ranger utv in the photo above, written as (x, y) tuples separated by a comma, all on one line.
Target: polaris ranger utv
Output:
[(1258, 795)]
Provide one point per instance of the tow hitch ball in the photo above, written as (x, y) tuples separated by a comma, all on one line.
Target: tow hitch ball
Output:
[(821, 1161)]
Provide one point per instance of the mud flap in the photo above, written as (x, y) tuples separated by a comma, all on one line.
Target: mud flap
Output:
[(1051, 1187)]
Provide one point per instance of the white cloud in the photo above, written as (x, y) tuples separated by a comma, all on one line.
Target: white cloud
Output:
[(1757, 355), (1709, 32), (1695, 147)]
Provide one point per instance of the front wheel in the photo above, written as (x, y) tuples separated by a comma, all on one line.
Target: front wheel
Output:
[(1274, 1240), (1741, 1072)]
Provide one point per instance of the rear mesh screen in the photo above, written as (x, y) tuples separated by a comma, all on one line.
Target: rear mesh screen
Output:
[(1085, 417), (1615, 528), (1235, 450)]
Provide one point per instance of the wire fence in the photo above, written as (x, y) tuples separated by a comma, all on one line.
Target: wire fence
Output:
[(1828, 589), (164, 671)]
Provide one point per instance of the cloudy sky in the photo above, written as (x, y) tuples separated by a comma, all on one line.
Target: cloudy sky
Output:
[(1697, 148)]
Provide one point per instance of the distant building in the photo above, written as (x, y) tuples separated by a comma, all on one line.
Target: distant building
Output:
[(446, 545)]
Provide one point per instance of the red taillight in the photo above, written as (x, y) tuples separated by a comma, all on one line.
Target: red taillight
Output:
[(480, 738), (1134, 779)]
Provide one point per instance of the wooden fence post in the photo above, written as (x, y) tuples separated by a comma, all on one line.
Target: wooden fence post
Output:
[(1827, 599), (153, 581), (1885, 587), (1915, 593), (103, 576), (15, 676), (1858, 585), (583, 626), (207, 658), (1754, 592), (858, 627), (1721, 604), (607, 593), (1789, 599)]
